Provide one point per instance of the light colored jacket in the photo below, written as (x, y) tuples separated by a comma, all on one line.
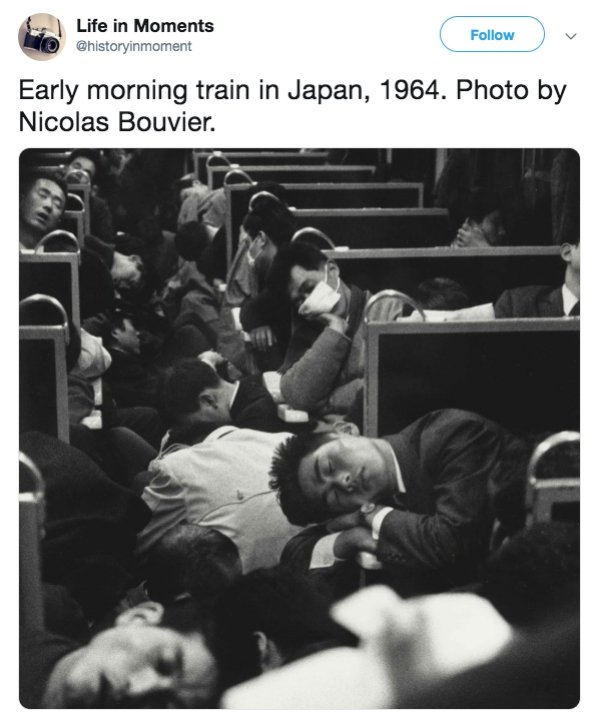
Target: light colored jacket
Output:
[(221, 483)]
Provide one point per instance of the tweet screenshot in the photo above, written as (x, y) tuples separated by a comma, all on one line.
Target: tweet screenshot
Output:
[(298, 374)]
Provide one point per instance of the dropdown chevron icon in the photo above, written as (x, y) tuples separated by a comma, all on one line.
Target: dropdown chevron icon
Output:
[(570, 36)]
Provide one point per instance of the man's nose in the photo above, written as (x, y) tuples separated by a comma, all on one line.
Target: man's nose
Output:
[(343, 479), (47, 203)]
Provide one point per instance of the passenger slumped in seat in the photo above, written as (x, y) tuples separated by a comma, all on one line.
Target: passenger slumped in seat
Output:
[(323, 368), (42, 199), (198, 400), (484, 224), (187, 295), (418, 500), (133, 380), (546, 301), (268, 226), (132, 665)]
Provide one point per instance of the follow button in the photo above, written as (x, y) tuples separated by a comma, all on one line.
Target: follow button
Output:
[(492, 33)]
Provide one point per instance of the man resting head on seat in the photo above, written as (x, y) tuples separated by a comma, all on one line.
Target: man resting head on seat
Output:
[(418, 500), (324, 365), (136, 664), (198, 400), (80, 161), (42, 199)]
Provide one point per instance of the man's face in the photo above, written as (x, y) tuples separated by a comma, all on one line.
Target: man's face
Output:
[(126, 271), (303, 281), (128, 337), (42, 206), (83, 163), (575, 259), (344, 473), (129, 663), (213, 407), (492, 226)]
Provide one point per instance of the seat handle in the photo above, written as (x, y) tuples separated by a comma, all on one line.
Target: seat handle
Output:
[(217, 155), (44, 298), (393, 294), (237, 173), (316, 232)]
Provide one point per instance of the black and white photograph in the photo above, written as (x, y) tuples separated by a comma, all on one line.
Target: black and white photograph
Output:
[(299, 428)]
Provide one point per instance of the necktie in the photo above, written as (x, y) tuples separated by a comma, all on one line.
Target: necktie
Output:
[(575, 310)]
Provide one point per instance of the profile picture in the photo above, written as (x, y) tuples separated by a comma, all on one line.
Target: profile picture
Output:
[(42, 36)]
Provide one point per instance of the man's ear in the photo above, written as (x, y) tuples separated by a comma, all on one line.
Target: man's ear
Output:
[(269, 655), (206, 399), (263, 238), (333, 269), (345, 428), (566, 251)]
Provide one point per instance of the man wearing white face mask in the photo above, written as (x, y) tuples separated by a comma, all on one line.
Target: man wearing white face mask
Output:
[(324, 365)]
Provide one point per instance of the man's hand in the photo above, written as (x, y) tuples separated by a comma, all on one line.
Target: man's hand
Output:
[(262, 338), (213, 358), (353, 541), (470, 235), (344, 522)]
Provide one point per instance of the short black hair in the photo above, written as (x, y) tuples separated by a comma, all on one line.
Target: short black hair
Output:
[(298, 253), (28, 179), (112, 320), (92, 154), (284, 471), (182, 384), (191, 239), (271, 216), (191, 559), (442, 293), (285, 607)]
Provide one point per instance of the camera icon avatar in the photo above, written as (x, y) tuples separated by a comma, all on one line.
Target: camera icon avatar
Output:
[(41, 36)]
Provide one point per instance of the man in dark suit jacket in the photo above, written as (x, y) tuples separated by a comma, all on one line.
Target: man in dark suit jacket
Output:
[(419, 500), (545, 301)]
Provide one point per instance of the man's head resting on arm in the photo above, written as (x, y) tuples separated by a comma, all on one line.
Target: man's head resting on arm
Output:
[(321, 475)]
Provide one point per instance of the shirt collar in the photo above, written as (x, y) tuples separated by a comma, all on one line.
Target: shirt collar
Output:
[(236, 385), (569, 299), (399, 481)]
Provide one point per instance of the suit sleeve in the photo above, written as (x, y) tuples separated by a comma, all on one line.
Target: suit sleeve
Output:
[(338, 580), (457, 532), (261, 415), (503, 308)]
